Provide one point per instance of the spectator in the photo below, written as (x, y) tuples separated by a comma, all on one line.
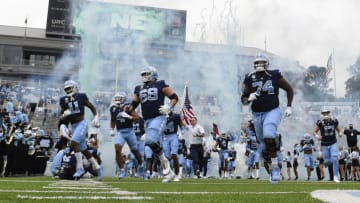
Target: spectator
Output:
[(351, 137)]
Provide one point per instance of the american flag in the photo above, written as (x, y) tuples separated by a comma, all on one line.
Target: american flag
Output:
[(329, 66), (187, 109)]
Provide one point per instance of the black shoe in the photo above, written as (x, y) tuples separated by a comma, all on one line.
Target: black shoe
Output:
[(296, 178), (197, 173)]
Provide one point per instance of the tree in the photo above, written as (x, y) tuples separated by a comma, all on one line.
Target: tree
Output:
[(352, 85), (316, 85)]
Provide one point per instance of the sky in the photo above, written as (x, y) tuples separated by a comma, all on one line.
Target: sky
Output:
[(307, 31)]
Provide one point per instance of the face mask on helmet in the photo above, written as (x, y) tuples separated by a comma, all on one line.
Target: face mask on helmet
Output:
[(70, 87), (307, 136), (119, 98), (261, 62), (149, 73), (326, 114)]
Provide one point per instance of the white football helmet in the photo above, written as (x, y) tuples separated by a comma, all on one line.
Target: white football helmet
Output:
[(149, 73), (261, 62), (119, 98), (326, 113), (307, 136), (70, 87)]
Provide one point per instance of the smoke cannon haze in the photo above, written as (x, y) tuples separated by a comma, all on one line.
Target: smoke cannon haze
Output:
[(111, 60)]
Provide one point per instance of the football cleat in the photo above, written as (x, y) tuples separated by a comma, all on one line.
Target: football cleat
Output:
[(275, 175), (79, 172), (177, 178), (122, 174), (167, 178), (140, 171), (99, 173), (147, 176)]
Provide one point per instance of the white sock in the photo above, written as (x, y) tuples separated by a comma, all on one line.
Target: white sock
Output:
[(256, 173), (79, 162), (94, 162), (274, 162), (180, 171), (165, 164)]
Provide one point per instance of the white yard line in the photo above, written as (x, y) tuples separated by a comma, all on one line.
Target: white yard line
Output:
[(225, 193), (85, 186), (337, 196), (83, 197), (112, 191)]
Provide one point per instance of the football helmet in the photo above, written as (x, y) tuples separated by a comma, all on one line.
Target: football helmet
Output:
[(326, 113), (307, 136), (261, 62), (70, 87), (149, 73), (119, 98)]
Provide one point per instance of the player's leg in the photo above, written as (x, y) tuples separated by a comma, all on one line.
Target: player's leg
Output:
[(78, 144), (271, 121)]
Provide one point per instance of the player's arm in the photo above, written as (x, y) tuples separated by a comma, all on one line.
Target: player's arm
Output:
[(132, 106), (135, 116), (245, 95), (315, 132), (112, 121), (339, 130), (91, 107), (284, 84), (171, 95)]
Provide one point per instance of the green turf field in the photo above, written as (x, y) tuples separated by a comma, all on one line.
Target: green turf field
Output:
[(47, 189)]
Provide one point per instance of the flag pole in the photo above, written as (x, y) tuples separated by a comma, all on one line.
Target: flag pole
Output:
[(183, 96), (333, 63)]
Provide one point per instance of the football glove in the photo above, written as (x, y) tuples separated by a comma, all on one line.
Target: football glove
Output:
[(95, 122), (252, 97), (288, 111), (165, 109), (112, 132), (125, 115), (66, 113)]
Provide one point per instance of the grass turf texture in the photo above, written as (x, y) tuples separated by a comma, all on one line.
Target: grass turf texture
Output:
[(47, 189)]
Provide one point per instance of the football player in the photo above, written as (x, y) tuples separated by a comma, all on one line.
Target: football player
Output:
[(182, 153), (221, 145), (261, 89), (171, 141), (151, 95), (232, 162), (328, 127), (308, 146), (123, 121), (72, 106), (139, 131), (252, 151)]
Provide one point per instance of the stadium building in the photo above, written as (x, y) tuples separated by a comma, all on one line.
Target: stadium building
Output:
[(108, 55)]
